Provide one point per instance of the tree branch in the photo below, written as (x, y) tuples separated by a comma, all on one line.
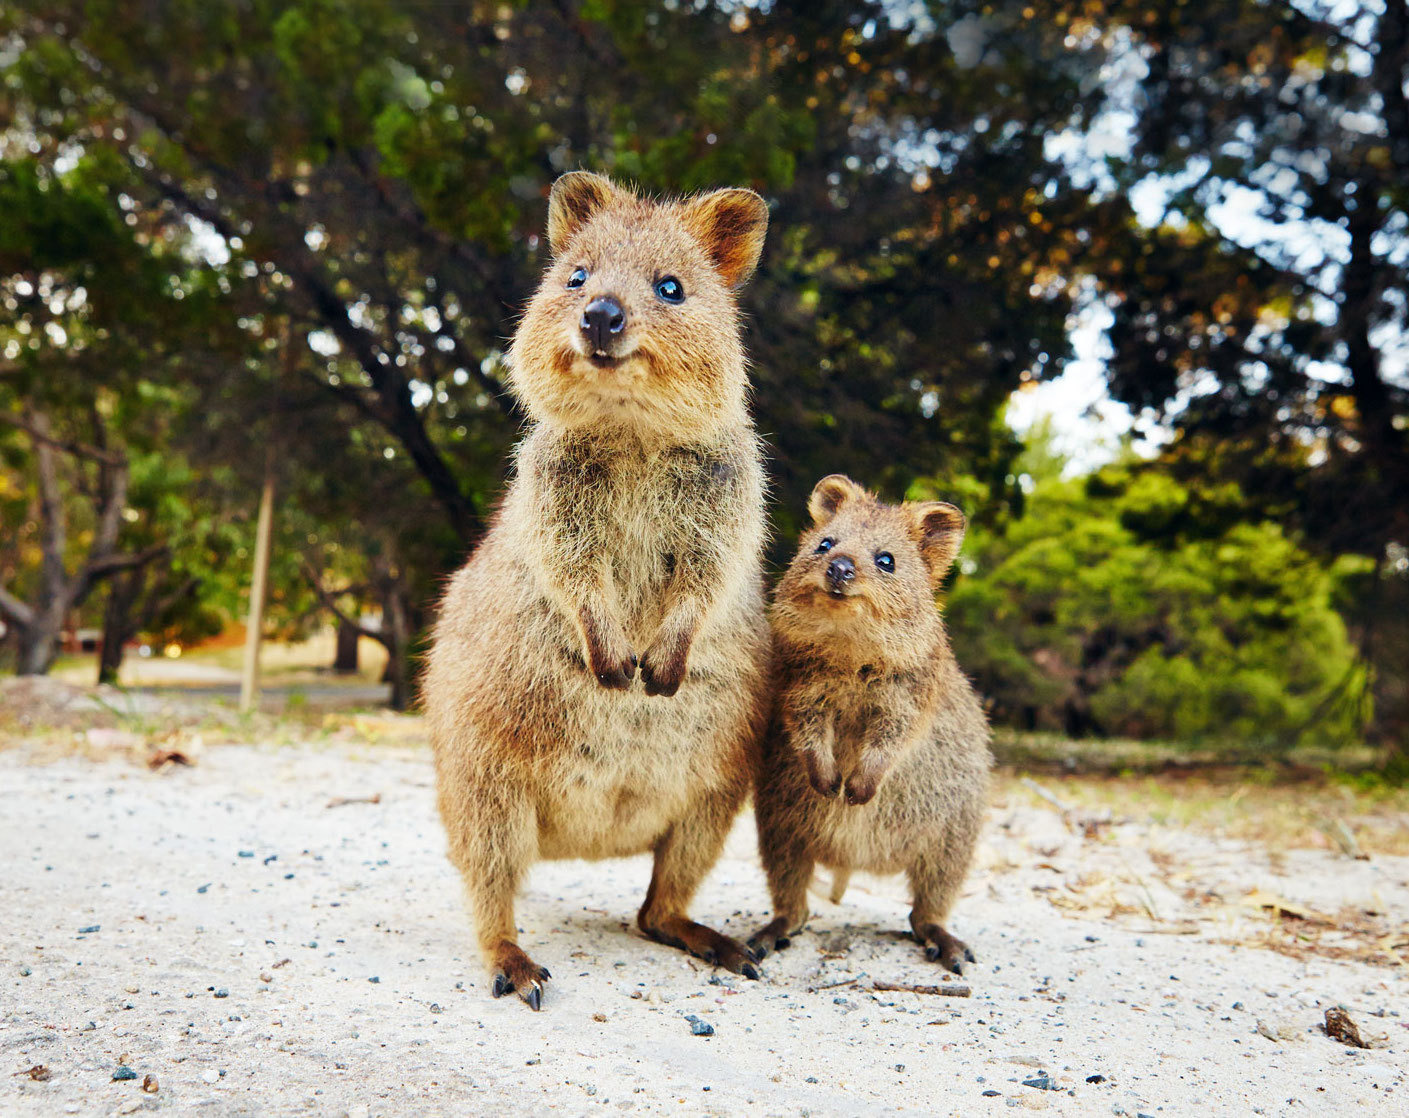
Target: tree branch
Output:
[(15, 610), (40, 433), (106, 565), (330, 603)]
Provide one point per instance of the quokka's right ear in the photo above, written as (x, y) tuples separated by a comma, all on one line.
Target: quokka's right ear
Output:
[(575, 198), (829, 494)]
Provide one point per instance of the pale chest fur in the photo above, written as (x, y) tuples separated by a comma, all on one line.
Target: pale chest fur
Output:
[(638, 514)]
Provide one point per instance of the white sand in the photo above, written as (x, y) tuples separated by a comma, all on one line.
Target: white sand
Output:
[(1057, 989)]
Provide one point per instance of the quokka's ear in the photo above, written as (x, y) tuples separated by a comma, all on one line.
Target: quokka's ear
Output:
[(731, 225), (829, 494), (575, 198), (939, 529)]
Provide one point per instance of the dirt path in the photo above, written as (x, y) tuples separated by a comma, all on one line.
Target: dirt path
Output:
[(258, 952)]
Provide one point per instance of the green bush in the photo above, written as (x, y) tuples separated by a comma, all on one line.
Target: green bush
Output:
[(1123, 603)]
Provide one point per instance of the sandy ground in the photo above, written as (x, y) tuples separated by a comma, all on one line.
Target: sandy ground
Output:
[(222, 929)]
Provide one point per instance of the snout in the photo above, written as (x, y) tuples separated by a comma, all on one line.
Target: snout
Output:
[(841, 572), (603, 322)]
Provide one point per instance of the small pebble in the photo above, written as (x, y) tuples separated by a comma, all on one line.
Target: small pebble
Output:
[(124, 1072), (374, 978), (149, 1084), (991, 1094), (25, 972), (1095, 1079), (90, 929), (222, 993), (698, 1027), (211, 1076), (1041, 1082), (246, 853), (202, 888)]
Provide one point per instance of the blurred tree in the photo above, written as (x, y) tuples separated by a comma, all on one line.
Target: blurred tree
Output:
[(1269, 325), (86, 303), (384, 165)]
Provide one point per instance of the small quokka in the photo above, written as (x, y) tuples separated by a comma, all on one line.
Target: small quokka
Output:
[(877, 756), (598, 683)]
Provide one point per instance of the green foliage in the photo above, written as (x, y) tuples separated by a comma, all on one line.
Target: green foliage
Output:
[(1108, 609)]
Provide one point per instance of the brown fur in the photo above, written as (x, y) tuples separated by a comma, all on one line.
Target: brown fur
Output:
[(631, 534), (877, 758)]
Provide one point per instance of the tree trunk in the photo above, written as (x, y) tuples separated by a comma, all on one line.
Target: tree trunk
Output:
[(396, 636), (39, 642), (118, 626), (398, 667), (345, 660)]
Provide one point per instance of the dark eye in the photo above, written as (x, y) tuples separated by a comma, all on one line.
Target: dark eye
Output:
[(578, 277), (826, 545), (885, 560), (670, 290)]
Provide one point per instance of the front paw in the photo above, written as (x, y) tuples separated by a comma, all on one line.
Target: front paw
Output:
[(861, 785), (663, 666), (609, 657), (822, 773)]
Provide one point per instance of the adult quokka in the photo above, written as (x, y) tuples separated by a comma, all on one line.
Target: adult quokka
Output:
[(877, 756), (597, 685)]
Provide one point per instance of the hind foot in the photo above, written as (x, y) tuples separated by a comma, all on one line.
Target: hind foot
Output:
[(515, 971), (704, 943), (773, 936), (941, 947)]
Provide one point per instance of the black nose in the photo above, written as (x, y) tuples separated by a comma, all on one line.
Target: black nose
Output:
[(840, 570), (601, 322)]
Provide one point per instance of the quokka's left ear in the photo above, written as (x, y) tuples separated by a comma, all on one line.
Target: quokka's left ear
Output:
[(939, 528), (731, 225)]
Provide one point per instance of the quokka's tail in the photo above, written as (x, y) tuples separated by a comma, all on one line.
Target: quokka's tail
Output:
[(840, 880)]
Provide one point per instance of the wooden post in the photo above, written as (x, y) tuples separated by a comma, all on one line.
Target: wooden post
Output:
[(264, 531), (249, 678)]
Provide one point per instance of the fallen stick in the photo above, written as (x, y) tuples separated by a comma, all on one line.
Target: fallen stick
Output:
[(865, 982), (342, 801), (946, 990)]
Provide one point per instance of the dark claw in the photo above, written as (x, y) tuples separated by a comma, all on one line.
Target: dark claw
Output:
[(782, 942), (748, 970), (957, 967), (932, 953), (969, 955), (502, 985), (534, 997), (759, 951), (543, 973)]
